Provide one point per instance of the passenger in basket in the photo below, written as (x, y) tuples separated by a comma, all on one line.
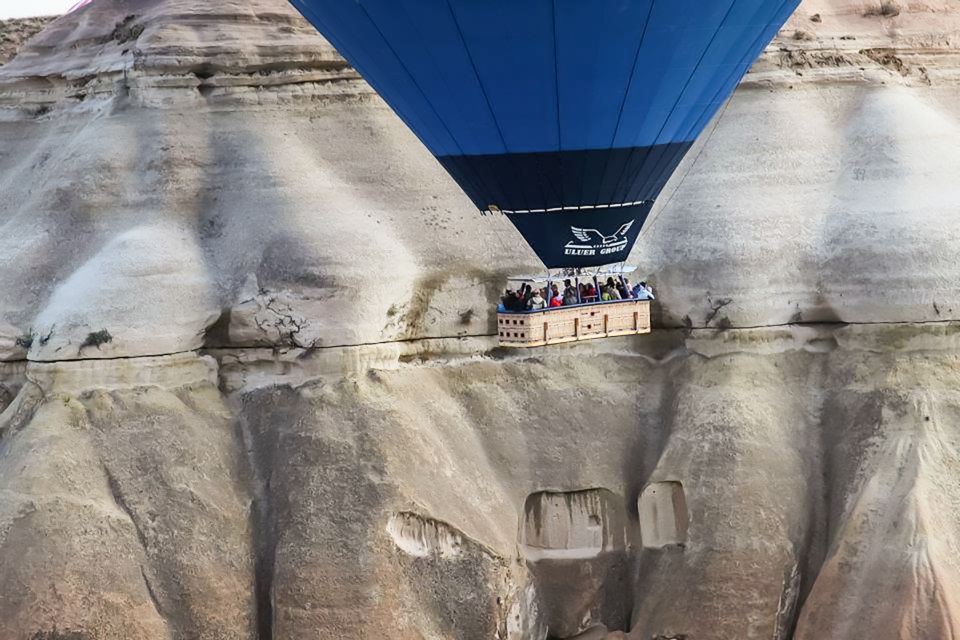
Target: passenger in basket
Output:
[(556, 300), (643, 292), (569, 293), (590, 293), (623, 288), (612, 286), (506, 302), (536, 301), (519, 304), (527, 294), (610, 292)]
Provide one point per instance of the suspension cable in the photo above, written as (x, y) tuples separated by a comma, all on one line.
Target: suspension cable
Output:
[(650, 223)]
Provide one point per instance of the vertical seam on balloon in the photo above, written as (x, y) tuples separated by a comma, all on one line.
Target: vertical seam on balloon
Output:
[(341, 48), (648, 224), (623, 103), (556, 81), (748, 54), (659, 149), (467, 169), (410, 74), (412, 78), (537, 157), (696, 68), (486, 97), (476, 74)]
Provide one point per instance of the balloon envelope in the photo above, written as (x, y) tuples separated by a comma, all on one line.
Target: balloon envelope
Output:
[(567, 115)]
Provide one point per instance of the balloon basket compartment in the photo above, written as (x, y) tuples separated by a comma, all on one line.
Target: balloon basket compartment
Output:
[(573, 324)]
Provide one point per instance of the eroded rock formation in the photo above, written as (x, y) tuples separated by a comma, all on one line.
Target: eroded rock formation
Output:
[(250, 389), (13, 33)]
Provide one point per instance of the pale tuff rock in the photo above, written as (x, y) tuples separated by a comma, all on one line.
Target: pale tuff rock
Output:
[(13, 33), (146, 292), (575, 525), (322, 162), (728, 415), (313, 191), (354, 458), (127, 514), (575, 546), (83, 376), (12, 377), (13, 344), (273, 319), (864, 41), (850, 225), (422, 537), (896, 526), (662, 509)]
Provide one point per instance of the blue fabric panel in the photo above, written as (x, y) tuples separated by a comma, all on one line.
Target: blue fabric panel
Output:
[(582, 238), (425, 34), (673, 49), (725, 51), (545, 75), (786, 8), (727, 57), (593, 80), (667, 57), (347, 27), (674, 44), (592, 84), (728, 78), (539, 104), (512, 45)]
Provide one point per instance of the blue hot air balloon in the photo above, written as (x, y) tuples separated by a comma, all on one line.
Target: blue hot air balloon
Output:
[(568, 116)]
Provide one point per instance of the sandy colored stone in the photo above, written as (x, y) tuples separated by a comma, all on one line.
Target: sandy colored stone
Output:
[(351, 455), (125, 511), (153, 281), (14, 33)]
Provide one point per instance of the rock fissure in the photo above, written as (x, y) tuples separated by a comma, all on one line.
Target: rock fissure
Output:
[(715, 307), (264, 567), (314, 347), (828, 186), (104, 359), (262, 518), (121, 502), (153, 595)]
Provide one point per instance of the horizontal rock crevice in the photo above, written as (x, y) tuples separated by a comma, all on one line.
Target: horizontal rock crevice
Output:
[(675, 330)]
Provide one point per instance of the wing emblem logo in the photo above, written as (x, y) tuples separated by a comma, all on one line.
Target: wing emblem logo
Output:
[(590, 242)]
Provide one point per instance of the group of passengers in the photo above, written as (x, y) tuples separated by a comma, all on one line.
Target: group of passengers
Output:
[(526, 298)]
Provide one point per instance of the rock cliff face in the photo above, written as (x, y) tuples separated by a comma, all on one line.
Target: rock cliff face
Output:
[(13, 33), (249, 384)]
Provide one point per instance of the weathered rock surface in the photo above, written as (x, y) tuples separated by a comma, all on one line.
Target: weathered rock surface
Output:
[(13, 33), (124, 510), (249, 389), (160, 274)]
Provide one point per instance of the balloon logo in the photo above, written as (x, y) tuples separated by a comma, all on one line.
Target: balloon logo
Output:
[(561, 114)]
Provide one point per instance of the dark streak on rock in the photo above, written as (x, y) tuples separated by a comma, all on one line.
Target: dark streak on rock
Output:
[(715, 307), (94, 339), (121, 502), (151, 592)]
